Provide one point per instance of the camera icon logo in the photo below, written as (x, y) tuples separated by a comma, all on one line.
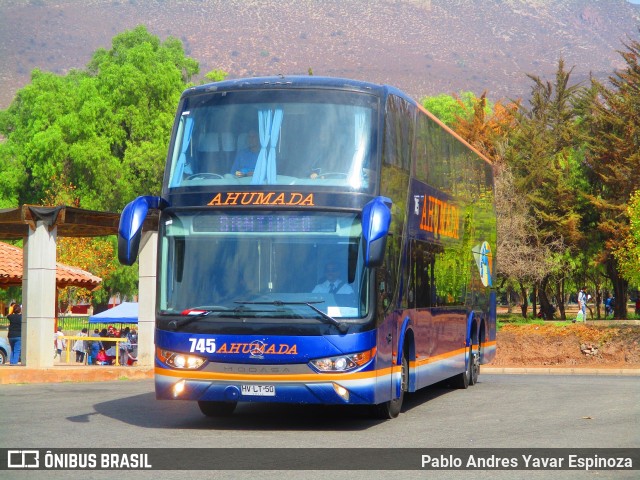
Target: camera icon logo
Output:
[(23, 459)]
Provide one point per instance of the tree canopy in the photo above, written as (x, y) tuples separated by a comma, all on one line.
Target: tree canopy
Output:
[(449, 109), (628, 255), (612, 156), (95, 138), (104, 130)]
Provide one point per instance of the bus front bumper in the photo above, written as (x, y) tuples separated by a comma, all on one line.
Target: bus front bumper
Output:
[(359, 389)]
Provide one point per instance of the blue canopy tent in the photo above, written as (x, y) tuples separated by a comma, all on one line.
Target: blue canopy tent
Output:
[(126, 312)]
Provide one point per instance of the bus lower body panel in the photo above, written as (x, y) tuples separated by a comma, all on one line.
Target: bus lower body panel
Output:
[(424, 372), (363, 388), (488, 352)]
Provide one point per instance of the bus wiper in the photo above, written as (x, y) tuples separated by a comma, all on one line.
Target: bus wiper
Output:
[(341, 326), (195, 314)]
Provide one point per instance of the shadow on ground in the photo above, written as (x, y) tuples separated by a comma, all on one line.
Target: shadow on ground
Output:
[(146, 412)]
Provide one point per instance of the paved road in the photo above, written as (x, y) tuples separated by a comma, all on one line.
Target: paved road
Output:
[(501, 411)]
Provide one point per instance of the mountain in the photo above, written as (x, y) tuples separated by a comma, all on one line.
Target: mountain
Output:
[(425, 47)]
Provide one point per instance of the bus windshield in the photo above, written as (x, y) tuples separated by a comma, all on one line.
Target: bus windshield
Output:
[(275, 137), (262, 265)]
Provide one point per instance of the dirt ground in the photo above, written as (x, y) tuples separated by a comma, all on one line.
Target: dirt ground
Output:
[(571, 345)]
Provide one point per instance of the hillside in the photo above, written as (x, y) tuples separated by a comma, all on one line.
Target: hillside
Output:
[(425, 47)]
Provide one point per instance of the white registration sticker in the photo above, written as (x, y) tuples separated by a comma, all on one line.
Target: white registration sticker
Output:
[(259, 390)]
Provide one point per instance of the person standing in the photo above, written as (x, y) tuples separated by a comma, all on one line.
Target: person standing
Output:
[(582, 305), (607, 306), (134, 342), (80, 347), (15, 334), (124, 346), (95, 345), (59, 343)]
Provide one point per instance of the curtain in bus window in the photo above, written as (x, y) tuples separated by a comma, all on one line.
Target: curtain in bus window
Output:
[(360, 146), (182, 160), (269, 123)]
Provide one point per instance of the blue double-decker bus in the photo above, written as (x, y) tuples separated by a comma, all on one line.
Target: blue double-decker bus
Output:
[(320, 241)]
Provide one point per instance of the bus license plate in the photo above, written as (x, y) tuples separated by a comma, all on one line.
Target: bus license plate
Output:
[(259, 390)]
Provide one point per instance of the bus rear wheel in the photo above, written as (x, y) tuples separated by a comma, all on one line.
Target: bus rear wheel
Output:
[(466, 378), (217, 409), (475, 368), (391, 409)]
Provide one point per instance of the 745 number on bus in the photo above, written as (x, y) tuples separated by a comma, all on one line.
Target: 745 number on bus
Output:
[(203, 345)]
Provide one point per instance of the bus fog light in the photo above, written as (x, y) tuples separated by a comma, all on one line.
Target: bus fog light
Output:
[(178, 388), (341, 391)]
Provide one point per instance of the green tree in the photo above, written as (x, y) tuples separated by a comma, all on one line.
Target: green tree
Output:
[(612, 135), (95, 138), (450, 108), (628, 255), (104, 130), (216, 75), (542, 156)]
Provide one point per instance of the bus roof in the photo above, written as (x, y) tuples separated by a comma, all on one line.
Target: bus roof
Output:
[(293, 81), (311, 81)]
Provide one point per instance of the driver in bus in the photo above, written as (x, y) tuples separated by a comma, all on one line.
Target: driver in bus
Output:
[(332, 283), (245, 161)]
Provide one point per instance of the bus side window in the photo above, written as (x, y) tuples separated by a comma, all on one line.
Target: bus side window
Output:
[(386, 276), (420, 272)]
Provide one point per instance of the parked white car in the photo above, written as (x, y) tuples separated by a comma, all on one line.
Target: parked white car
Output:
[(5, 350)]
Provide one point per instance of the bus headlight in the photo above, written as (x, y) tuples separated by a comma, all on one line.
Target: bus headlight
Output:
[(179, 360), (343, 363)]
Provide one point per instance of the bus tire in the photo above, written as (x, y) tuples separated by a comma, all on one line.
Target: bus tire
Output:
[(217, 409), (463, 380), (475, 368), (391, 409)]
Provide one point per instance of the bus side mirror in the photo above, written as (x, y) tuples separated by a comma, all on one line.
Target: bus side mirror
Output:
[(376, 218), (130, 228)]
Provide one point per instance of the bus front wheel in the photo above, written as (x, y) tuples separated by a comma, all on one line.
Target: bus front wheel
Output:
[(391, 409), (217, 409)]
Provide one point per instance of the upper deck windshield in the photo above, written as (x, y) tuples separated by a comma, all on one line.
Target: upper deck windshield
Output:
[(262, 266), (309, 137)]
